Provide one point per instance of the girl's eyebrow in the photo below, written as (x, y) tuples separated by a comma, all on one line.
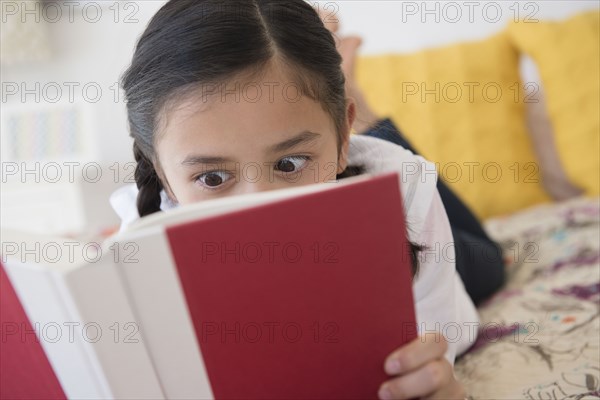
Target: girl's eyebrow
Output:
[(192, 160), (302, 137)]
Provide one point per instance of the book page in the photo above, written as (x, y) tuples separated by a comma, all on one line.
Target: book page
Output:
[(223, 205)]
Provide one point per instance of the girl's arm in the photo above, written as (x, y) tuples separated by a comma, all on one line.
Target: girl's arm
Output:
[(447, 320), (441, 302)]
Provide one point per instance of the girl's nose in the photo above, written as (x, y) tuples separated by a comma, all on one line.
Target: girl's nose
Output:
[(262, 184)]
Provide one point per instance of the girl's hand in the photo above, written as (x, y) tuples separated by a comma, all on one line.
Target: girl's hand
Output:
[(421, 370)]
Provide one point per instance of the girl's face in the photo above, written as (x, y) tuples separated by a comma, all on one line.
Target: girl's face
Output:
[(254, 137)]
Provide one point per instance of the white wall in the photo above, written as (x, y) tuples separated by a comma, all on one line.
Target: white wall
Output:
[(405, 26), (86, 51), (86, 48)]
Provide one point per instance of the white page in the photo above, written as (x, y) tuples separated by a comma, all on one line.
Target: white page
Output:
[(71, 301), (43, 303), (98, 297)]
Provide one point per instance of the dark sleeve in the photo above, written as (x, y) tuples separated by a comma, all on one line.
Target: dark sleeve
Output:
[(458, 213), (386, 130), (478, 258)]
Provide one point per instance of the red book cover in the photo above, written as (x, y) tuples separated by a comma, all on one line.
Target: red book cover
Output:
[(25, 372), (303, 298)]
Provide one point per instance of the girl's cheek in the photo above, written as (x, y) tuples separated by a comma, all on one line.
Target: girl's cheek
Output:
[(327, 170), (313, 172)]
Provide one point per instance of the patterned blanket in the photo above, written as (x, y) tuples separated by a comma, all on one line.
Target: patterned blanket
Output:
[(539, 336)]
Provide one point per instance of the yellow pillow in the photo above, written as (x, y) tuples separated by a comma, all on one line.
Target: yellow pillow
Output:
[(567, 54), (461, 106)]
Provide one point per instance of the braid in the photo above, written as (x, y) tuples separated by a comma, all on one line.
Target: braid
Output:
[(148, 183)]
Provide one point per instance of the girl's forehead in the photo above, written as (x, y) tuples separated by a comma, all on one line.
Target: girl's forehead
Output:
[(219, 124), (251, 86), (269, 101), (238, 129), (274, 82)]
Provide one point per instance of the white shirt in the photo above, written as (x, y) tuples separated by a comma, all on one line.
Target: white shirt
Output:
[(441, 302)]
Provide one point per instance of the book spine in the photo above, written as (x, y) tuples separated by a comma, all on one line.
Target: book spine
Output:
[(161, 310), (53, 325)]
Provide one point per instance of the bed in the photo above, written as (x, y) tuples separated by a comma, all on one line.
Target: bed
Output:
[(539, 336)]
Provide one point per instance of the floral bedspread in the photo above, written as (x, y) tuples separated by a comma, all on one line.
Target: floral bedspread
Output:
[(539, 336)]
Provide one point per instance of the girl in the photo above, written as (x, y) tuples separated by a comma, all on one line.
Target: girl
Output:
[(214, 86)]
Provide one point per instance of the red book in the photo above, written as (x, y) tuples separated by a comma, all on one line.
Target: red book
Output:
[(303, 298), (298, 293)]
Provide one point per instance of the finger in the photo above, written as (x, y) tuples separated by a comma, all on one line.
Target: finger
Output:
[(425, 381), (417, 353)]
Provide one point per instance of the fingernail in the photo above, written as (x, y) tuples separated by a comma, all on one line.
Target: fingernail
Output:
[(385, 393), (392, 367)]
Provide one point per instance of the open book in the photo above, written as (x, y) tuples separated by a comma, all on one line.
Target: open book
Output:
[(295, 293)]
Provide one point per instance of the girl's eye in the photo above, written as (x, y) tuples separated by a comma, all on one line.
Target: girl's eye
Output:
[(291, 164), (213, 179)]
